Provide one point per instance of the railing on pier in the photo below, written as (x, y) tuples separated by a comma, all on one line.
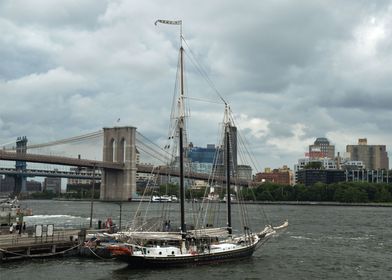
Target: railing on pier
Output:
[(15, 240)]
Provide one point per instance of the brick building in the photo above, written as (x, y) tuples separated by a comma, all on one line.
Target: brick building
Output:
[(283, 176)]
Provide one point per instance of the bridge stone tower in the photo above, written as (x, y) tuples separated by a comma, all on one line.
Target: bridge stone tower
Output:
[(119, 145)]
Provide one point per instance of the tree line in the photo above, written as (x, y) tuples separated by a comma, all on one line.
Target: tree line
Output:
[(350, 192)]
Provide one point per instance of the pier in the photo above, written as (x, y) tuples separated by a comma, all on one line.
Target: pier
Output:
[(28, 246)]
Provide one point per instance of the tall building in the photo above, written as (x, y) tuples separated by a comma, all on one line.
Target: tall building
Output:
[(283, 176), (202, 155), (82, 171), (233, 146), (370, 176), (373, 156), (222, 154), (321, 148), (244, 172), (33, 186), (201, 159), (326, 163), (213, 158), (309, 177), (7, 184), (52, 184)]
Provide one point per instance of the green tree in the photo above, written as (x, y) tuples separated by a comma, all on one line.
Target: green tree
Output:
[(265, 196), (44, 195), (383, 195), (169, 189), (314, 165)]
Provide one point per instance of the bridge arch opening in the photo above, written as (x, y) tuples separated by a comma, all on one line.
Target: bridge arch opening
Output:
[(113, 150), (122, 150)]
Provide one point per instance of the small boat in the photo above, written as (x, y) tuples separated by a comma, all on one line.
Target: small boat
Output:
[(164, 198), (187, 245), (11, 212), (232, 198)]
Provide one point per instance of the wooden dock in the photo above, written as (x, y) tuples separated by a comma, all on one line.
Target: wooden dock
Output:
[(27, 246)]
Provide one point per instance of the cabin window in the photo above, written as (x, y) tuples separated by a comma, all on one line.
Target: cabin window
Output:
[(160, 253), (172, 252)]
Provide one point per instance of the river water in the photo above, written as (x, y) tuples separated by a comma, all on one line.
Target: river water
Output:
[(322, 242)]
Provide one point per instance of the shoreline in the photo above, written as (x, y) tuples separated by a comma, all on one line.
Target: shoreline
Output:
[(294, 203), (322, 203)]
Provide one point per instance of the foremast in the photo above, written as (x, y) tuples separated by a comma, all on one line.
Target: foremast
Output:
[(180, 124)]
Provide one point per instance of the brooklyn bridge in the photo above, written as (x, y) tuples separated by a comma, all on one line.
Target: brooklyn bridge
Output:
[(121, 147)]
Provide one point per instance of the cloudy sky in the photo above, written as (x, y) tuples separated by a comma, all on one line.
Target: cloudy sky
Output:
[(291, 70)]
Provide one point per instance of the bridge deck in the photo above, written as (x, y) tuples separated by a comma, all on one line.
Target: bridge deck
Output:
[(60, 160), (161, 170)]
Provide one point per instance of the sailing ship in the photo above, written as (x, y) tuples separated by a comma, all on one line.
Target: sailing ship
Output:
[(190, 246)]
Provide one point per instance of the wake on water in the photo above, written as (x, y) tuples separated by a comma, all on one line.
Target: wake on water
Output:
[(65, 221)]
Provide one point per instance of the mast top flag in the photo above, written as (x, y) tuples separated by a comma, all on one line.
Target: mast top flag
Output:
[(172, 22)]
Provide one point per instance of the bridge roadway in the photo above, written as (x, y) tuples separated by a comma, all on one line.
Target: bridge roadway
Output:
[(49, 173), (141, 168), (60, 160)]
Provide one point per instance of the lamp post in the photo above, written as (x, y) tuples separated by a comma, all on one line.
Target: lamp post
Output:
[(119, 203), (120, 214)]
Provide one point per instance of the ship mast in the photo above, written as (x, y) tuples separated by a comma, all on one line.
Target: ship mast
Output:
[(180, 124), (227, 151)]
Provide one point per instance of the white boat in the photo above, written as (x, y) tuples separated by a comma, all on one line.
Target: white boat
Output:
[(188, 246), (232, 198), (164, 198), (11, 212)]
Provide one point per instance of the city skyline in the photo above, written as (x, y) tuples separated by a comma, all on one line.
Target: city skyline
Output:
[(291, 71)]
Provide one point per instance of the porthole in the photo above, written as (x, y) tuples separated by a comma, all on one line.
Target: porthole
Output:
[(172, 252), (148, 252), (160, 253)]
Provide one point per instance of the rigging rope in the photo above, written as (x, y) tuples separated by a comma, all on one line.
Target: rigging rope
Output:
[(74, 139), (203, 73)]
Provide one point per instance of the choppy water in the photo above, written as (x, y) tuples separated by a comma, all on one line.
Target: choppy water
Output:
[(322, 242)]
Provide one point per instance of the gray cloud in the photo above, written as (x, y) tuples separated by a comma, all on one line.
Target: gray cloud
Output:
[(291, 71), (49, 14)]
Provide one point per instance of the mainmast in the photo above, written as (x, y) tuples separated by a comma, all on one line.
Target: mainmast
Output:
[(180, 124), (227, 151)]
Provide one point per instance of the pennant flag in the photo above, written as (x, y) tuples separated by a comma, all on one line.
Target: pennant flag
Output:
[(174, 22)]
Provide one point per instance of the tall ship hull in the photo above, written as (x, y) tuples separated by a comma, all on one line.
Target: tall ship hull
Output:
[(188, 260), (172, 250)]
